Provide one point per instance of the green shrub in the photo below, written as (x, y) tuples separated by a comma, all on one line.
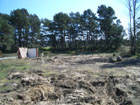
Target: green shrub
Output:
[(48, 48), (124, 51)]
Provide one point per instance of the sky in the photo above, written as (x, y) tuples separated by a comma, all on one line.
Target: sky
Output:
[(48, 8)]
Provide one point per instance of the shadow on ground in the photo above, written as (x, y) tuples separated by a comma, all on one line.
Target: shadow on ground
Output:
[(92, 61), (126, 62)]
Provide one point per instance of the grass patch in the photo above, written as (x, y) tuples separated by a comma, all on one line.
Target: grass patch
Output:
[(48, 48), (7, 85), (77, 52), (5, 89), (48, 73), (124, 51), (9, 54), (13, 65)]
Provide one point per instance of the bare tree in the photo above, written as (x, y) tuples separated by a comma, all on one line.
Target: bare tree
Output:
[(133, 8), (129, 6), (136, 5)]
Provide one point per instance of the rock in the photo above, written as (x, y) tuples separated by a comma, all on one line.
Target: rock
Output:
[(113, 59), (120, 92), (69, 84), (16, 75), (27, 81), (119, 58), (98, 82)]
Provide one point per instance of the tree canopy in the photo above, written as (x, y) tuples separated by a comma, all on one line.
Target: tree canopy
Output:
[(89, 31), (6, 33)]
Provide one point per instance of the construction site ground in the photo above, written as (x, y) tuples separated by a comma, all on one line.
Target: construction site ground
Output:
[(70, 80)]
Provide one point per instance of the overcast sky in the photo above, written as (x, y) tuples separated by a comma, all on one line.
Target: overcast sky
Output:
[(48, 8)]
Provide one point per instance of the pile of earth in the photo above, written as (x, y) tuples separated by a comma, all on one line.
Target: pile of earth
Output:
[(63, 89)]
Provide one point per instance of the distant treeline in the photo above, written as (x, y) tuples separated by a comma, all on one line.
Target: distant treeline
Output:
[(88, 31)]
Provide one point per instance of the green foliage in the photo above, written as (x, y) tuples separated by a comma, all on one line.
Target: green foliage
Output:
[(27, 28), (48, 73), (6, 86), (8, 66), (117, 34), (138, 36), (6, 33), (19, 19), (61, 25), (34, 31), (124, 51), (75, 31), (112, 32), (48, 48)]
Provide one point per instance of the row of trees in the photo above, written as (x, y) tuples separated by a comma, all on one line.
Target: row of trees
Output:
[(85, 31), (19, 29), (74, 31)]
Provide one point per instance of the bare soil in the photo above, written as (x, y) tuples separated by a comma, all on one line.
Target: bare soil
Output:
[(74, 80)]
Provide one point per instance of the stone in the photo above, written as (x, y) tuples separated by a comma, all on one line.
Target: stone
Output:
[(119, 58), (15, 75), (112, 59)]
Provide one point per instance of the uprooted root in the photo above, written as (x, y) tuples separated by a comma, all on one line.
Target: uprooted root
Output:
[(66, 90)]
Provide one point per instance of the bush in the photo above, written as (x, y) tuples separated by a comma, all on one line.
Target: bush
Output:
[(44, 49), (124, 51), (47, 52)]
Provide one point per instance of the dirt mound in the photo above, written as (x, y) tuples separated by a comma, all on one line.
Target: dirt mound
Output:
[(101, 91), (62, 89), (37, 93)]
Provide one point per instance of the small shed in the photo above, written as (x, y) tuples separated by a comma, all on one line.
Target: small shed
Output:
[(22, 53), (27, 52), (32, 52)]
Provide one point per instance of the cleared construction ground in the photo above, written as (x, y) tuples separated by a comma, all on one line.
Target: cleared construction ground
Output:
[(71, 80)]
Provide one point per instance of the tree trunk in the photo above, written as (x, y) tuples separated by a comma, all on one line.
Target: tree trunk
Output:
[(130, 26), (19, 38), (134, 27)]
